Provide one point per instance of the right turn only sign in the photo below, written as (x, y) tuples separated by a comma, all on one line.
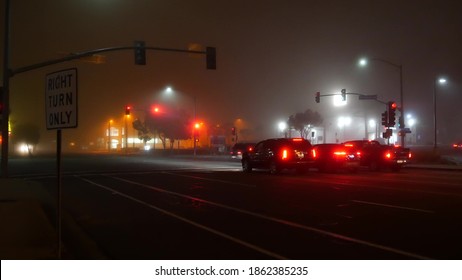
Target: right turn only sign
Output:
[(61, 99)]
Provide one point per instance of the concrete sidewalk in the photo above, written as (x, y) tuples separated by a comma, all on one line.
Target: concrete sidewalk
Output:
[(26, 231), (27, 220)]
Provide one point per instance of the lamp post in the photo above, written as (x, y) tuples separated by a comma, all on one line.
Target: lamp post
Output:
[(437, 81), (169, 91), (363, 62), (6, 90)]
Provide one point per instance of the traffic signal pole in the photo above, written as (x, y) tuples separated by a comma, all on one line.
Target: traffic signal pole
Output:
[(6, 91), (8, 73)]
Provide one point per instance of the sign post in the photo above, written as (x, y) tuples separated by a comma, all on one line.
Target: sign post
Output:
[(61, 112)]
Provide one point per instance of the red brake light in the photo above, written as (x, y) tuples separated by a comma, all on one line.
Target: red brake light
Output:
[(297, 139), (410, 155), (313, 153), (284, 154), (340, 153), (388, 155)]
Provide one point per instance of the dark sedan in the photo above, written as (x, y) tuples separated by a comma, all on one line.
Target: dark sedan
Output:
[(335, 157), (278, 154)]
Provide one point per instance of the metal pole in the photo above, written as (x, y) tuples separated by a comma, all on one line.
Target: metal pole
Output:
[(59, 190), (6, 91), (403, 135), (435, 143)]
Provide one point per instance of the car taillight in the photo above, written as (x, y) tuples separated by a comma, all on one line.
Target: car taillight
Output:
[(284, 154), (410, 155), (313, 153), (387, 155), (297, 139), (340, 153)]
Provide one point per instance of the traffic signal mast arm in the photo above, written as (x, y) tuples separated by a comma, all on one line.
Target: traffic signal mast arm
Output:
[(360, 96), (78, 55)]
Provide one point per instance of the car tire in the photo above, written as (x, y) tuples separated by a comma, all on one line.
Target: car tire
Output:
[(273, 167), (246, 166)]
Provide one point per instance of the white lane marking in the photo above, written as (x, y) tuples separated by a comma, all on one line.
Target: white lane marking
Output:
[(393, 206), (188, 221), (209, 179), (281, 221)]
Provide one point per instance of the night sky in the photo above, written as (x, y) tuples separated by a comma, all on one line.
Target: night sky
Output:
[(272, 57)]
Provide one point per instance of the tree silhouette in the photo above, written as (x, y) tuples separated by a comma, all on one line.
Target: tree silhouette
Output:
[(304, 122)]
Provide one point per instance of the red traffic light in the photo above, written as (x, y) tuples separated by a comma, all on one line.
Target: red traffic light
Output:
[(127, 110), (155, 109)]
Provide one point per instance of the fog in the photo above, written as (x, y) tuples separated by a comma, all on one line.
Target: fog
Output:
[(272, 57)]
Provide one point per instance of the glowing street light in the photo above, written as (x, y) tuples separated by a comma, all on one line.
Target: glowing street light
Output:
[(282, 128), (339, 101), (363, 62), (169, 91)]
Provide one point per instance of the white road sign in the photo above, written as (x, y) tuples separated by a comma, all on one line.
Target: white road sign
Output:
[(61, 99)]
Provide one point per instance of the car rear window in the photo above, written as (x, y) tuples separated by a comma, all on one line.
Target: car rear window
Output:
[(298, 144)]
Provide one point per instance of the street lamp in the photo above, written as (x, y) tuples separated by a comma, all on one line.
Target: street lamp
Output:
[(437, 81), (363, 62), (282, 128), (169, 91)]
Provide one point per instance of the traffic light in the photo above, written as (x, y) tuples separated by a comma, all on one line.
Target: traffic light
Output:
[(343, 91), (388, 133), (233, 130), (155, 109), (127, 110), (318, 97), (401, 122), (211, 58), (196, 129), (385, 118), (391, 113), (140, 53)]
